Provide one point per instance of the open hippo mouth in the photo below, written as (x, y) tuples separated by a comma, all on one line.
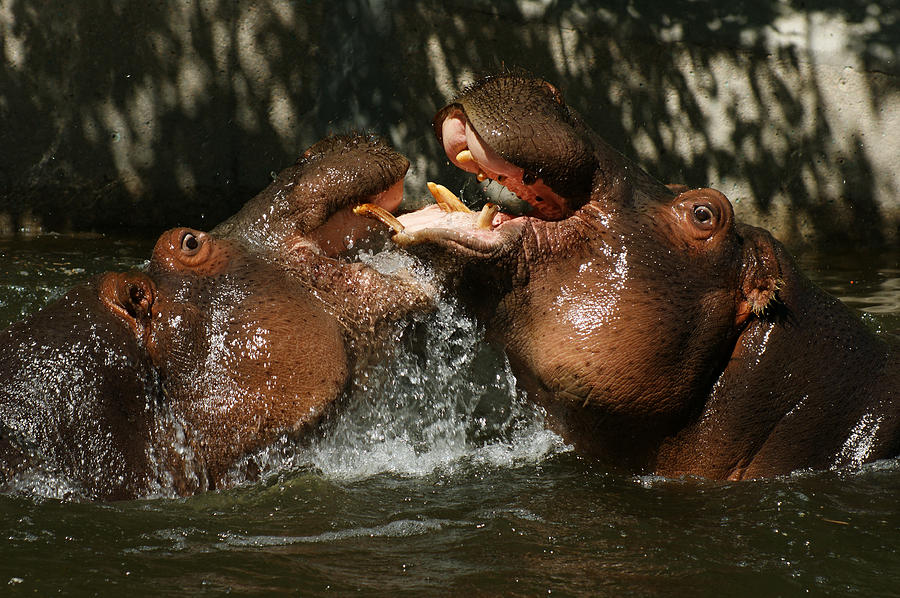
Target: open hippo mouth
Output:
[(334, 176), (450, 221), (310, 203), (518, 133)]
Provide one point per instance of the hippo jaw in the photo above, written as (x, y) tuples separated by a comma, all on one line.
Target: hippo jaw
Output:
[(343, 230), (519, 133), (330, 179), (310, 203), (458, 231), (467, 150)]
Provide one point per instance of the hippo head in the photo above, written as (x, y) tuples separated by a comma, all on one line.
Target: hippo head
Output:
[(227, 341), (165, 378), (249, 349), (77, 390), (310, 203), (245, 352), (583, 197), (613, 293)]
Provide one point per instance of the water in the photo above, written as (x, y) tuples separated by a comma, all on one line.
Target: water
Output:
[(437, 480)]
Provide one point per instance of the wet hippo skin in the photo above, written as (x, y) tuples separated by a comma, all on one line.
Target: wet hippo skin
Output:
[(74, 389), (659, 334), (166, 380)]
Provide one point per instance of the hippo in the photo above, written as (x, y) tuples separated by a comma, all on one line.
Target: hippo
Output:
[(660, 336), (168, 380)]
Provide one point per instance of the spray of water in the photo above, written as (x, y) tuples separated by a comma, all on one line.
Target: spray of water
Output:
[(442, 399)]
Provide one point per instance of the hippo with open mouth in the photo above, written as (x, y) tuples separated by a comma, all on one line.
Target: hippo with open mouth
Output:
[(168, 380), (310, 204), (659, 334)]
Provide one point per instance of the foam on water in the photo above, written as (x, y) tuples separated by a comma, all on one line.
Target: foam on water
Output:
[(44, 482), (400, 528), (444, 397)]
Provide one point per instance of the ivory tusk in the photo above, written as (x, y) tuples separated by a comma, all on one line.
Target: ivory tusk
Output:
[(371, 210), (446, 199), (486, 216)]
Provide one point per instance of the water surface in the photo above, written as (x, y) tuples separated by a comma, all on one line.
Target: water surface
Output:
[(438, 480)]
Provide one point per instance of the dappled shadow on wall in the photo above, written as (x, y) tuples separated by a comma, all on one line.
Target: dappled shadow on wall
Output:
[(176, 112)]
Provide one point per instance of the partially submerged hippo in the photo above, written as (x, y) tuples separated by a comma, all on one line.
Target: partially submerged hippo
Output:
[(163, 380), (658, 334), (75, 391)]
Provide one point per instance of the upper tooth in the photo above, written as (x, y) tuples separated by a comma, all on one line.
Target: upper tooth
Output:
[(465, 157)]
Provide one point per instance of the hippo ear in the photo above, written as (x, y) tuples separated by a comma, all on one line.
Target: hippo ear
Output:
[(130, 296), (677, 188), (760, 274), (557, 95)]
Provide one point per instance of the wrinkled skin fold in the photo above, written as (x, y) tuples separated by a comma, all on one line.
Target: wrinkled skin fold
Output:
[(659, 334), (166, 380)]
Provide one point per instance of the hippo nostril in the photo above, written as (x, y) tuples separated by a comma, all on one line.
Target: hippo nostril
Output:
[(137, 294), (538, 198)]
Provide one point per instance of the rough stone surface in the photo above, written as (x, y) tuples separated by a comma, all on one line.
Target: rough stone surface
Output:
[(123, 115)]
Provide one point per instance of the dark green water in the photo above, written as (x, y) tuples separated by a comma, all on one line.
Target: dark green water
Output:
[(437, 480)]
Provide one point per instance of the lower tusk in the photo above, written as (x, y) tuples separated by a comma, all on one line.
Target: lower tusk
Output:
[(486, 216), (446, 199), (370, 210)]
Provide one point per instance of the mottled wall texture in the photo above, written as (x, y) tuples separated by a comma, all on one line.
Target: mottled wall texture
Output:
[(144, 115)]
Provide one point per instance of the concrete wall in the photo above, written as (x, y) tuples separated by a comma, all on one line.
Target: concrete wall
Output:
[(152, 114)]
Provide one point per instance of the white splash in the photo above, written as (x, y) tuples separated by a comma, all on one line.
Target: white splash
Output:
[(444, 399), (400, 528), (435, 404)]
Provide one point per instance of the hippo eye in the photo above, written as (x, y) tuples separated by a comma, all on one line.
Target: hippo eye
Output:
[(528, 178), (703, 214), (189, 243)]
